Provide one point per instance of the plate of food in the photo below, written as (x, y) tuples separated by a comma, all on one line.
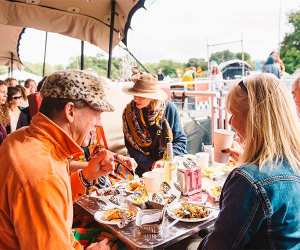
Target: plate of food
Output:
[(115, 215), (138, 198), (133, 186), (189, 212)]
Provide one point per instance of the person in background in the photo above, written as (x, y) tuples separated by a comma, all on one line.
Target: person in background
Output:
[(24, 101), (216, 77), (279, 63), (296, 93), (35, 181), (3, 117), (271, 67), (160, 75), (259, 203), (30, 86), (11, 82), (18, 117), (189, 75), (149, 122), (35, 99)]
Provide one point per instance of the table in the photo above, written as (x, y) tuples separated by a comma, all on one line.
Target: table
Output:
[(132, 236)]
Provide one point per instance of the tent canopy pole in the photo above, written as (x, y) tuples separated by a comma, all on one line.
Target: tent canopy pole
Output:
[(82, 56), (133, 56), (45, 52), (11, 64), (111, 35)]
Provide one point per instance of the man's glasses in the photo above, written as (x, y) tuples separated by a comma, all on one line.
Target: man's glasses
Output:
[(16, 97), (243, 86)]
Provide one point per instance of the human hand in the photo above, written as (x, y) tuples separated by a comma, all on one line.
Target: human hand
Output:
[(101, 245), (234, 152), (102, 163), (128, 161), (158, 164)]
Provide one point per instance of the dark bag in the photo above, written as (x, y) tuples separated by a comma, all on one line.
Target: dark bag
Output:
[(160, 139)]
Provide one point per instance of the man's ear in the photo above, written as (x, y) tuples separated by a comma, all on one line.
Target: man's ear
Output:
[(70, 111)]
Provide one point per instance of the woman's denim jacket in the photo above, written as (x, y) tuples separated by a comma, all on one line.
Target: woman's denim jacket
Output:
[(260, 209)]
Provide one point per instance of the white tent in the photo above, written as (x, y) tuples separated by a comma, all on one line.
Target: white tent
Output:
[(85, 20), (9, 49), (21, 76)]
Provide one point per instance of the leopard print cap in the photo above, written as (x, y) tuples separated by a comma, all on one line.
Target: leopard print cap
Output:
[(77, 85)]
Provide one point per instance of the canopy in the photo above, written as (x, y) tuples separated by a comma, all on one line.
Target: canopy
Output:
[(9, 49), (235, 69), (87, 20)]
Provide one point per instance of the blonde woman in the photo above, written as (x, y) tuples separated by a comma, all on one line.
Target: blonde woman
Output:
[(149, 123), (260, 204)]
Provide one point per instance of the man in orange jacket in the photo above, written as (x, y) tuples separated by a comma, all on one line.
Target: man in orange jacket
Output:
[(36, 194)]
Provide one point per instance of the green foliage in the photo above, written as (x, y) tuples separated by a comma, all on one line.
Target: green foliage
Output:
[(247, 56), (225, 55), (197, 62), (37, 68), (222, 56), (290, 47), (98, 64), (169, 67), (152, 67)]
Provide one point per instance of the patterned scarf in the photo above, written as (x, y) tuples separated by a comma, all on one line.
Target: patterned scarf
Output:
[(140, 128), (4, 115)]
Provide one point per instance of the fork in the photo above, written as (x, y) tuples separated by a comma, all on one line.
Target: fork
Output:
[(124, 220), (185, 212), (162, 227)]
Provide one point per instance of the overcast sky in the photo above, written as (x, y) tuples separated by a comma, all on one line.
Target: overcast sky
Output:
[(179, 30)]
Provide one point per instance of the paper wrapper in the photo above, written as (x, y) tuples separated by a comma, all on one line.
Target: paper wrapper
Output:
[(189, 180)]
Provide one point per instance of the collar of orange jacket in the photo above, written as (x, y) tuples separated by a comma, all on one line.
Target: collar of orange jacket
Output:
[(45, 129)]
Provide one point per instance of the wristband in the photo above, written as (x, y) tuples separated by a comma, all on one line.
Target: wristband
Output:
[(84, 181)]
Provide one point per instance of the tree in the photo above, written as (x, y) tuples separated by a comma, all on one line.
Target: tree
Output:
[(247, 56), (197, 62), (98, 64), (37, 68), (169, 67), (222, 56), (290, 47)]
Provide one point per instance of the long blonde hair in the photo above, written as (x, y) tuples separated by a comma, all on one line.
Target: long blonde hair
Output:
[(155, 104), (272, 131)]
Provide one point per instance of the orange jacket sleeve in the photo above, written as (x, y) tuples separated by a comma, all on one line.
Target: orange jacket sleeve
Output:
[(47, 205), (78, 188)]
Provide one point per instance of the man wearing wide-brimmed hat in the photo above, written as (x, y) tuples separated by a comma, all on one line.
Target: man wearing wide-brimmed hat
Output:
[(36, 195), (149, 123)]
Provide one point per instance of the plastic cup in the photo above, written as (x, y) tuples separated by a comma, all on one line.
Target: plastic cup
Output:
[(210, 150), (152, 181), (202, 159), (222, 139)]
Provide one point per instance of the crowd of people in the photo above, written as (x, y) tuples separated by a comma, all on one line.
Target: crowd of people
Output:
[(42, 178), (41, 167), (14, 109)]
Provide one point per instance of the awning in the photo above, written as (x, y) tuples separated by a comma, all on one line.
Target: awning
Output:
[(9, 49), (87, 20)]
